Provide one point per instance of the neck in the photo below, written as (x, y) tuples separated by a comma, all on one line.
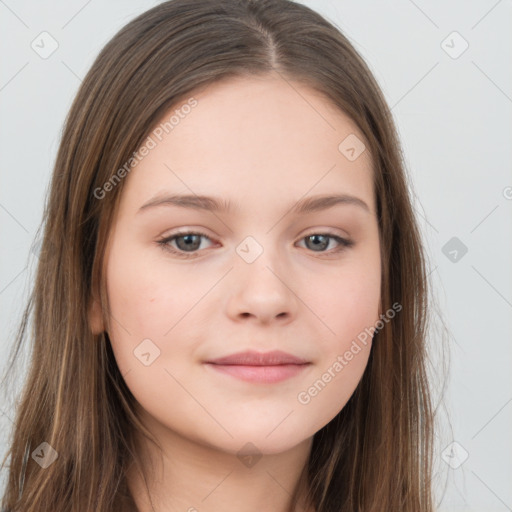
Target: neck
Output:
[(192, 477)]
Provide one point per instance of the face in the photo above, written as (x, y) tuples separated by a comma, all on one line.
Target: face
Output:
[(189, 284)]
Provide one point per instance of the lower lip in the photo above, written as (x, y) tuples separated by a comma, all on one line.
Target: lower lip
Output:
[(263, 374)]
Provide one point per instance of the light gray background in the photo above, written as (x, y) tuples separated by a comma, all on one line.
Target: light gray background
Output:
[(454, 119)]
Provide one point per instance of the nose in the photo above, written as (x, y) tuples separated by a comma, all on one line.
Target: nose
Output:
[(261, 290)]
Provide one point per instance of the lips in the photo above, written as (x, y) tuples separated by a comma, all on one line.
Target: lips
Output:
[(256, 367), (253, 358)]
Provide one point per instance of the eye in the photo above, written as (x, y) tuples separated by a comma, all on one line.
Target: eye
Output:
[(188, 243), (318, 242)]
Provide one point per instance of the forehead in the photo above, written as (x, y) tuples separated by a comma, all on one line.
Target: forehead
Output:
[(252, 138)]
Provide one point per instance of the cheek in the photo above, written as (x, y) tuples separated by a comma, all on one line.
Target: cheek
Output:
[(351, 313), (350, 308), (147, 294), (145, 301), (350, 300)]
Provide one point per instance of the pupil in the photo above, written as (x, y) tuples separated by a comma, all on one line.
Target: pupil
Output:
[(323, 245), (189, 242)]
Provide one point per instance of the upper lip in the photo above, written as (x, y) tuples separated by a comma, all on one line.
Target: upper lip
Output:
[(253, 358)]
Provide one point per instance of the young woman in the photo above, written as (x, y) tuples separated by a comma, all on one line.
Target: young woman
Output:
[(231, 300)]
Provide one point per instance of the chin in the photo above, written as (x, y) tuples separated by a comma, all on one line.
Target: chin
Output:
[(260, 441)]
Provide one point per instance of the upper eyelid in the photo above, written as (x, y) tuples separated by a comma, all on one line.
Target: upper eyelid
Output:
[(334, 231), (319, 231)]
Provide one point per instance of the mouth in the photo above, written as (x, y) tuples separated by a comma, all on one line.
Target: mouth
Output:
[(267, 368)]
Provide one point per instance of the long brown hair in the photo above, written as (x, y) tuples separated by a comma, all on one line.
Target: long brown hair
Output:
[(376, 454)]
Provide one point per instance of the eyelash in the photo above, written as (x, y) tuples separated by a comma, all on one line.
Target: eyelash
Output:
[(164, 243)]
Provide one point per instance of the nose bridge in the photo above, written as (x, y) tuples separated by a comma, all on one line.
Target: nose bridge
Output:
[(253, 247), (260, 284), (259, 258)]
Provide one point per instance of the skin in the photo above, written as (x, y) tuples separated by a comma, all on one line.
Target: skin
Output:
[(264, 145)]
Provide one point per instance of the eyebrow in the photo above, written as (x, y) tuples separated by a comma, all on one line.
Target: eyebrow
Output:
[(214, 204)]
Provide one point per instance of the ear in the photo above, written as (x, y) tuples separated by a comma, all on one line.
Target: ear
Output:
[(95, 316), (94, 308)]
